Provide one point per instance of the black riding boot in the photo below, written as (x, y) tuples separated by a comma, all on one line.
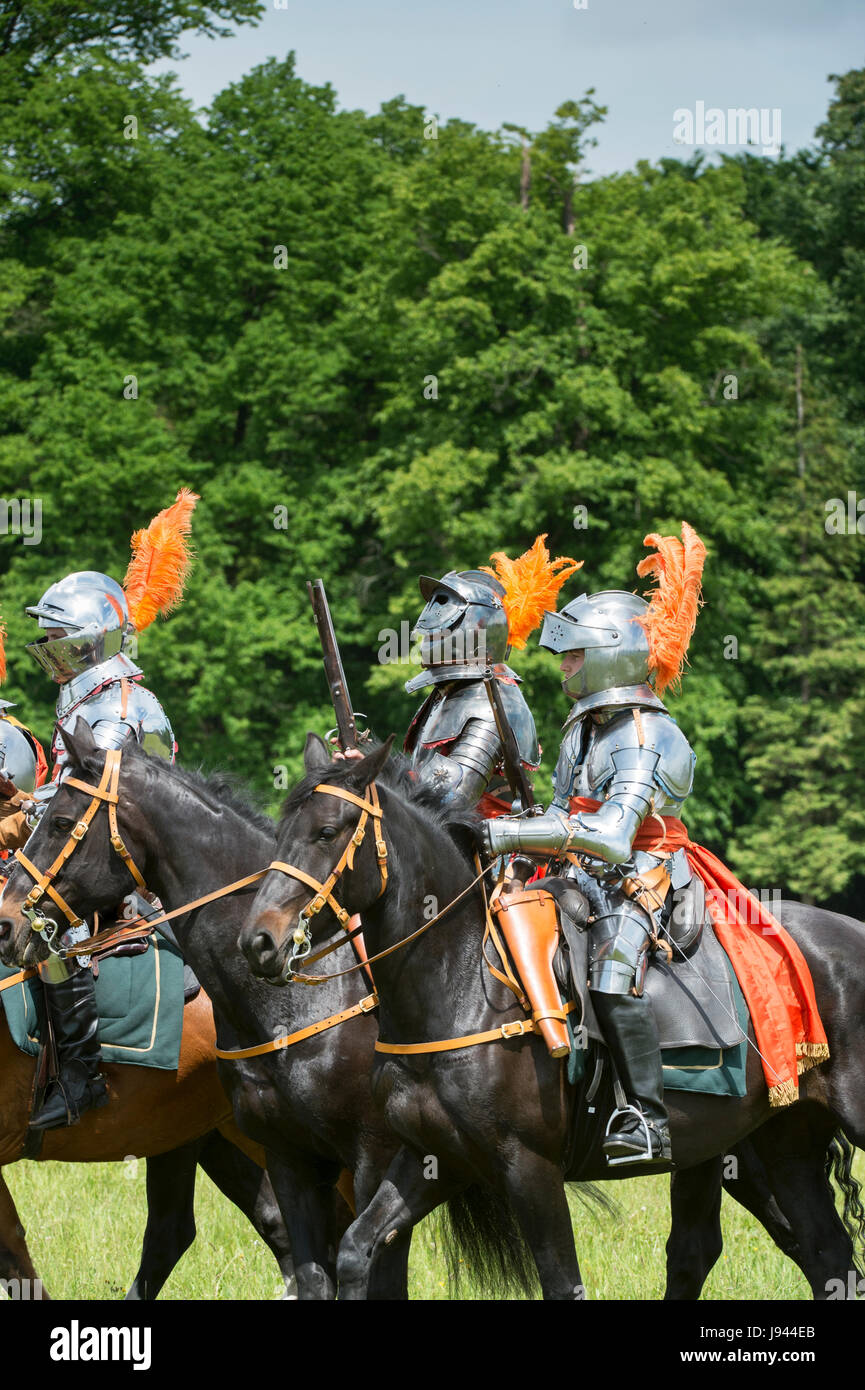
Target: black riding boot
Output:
[(631, 1033), (79, 1087)]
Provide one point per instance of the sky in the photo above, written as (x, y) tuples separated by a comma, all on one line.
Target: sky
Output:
[(491, 61)]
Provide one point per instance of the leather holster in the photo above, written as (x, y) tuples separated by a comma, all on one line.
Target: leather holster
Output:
[(528, 921)]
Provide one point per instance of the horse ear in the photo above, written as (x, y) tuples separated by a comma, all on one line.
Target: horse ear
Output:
[(79, 743), (366, 771), (316, 754)]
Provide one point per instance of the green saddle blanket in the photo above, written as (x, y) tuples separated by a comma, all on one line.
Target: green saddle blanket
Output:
[(139, 1000), (713, 1071)]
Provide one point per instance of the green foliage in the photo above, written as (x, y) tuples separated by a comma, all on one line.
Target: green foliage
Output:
[(378, 354)]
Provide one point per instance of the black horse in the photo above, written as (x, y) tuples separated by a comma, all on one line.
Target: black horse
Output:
[(309, 1105), (499, 1114)]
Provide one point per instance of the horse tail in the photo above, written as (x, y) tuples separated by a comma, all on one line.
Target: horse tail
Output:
[(480, 1235), (839, 1165)]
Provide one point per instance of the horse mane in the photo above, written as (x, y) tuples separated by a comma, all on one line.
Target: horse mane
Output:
[(459, 823), (224, 788)]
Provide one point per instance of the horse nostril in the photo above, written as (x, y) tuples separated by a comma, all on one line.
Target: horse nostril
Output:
[(5, 928), (262, 948)]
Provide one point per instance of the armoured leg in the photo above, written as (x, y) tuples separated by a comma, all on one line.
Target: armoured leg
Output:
[(529, 924), (616, 974), (70, 1000)]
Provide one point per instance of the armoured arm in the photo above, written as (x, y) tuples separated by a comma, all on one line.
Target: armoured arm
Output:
[(462, 775), (607, 833)]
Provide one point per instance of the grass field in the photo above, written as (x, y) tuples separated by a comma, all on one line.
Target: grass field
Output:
[(84, 1225)]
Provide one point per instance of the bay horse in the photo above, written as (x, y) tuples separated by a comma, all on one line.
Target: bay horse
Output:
[(499, 1113), (176, 1120), (309, 1106)]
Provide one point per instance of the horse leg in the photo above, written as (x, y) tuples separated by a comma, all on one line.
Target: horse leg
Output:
[(749, 1185), (794, 1152), (536, 1190), (389, 1274), (16, 1267), (248, 1186), (170, 1228), (695, 1240), (406, 1194), (307, 1199)]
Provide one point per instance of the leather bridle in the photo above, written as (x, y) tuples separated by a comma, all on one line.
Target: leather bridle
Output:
[(324, 891), (106, 793)]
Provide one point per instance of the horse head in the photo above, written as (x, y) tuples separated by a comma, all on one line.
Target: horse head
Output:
[(325, 827), (86, 871)]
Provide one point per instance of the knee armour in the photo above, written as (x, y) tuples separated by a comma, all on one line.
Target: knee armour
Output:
[(619, 945)]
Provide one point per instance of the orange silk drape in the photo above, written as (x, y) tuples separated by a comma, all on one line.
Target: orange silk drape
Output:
[(772, 971)]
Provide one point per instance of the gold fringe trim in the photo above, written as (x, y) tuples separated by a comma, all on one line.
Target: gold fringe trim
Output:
[(810, 1055), (784, 1094)]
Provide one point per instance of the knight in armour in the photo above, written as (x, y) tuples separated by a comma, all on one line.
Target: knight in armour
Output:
[(88, 629), (471, 621), (623, 759)]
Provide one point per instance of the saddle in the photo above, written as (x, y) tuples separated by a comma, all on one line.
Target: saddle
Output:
[(692, 993)]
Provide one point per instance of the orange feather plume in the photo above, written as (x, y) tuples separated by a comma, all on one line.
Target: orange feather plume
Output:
[(674, 602), (532, 583), (160, 564)]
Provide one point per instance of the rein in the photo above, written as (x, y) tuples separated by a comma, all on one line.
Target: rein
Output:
[(503, 1033), (44, 883), (107, 792), (324, 891)]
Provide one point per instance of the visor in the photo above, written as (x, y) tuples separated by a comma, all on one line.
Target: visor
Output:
[(564, 634), (444, 607), (51, 616), (63, 657)]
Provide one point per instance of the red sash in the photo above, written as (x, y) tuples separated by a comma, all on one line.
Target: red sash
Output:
[(772, 971)]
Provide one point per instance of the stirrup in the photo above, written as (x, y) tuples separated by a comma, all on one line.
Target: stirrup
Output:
[(93, 1096), (649, 1156)]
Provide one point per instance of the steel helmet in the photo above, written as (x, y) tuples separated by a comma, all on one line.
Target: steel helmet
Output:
[(93, 611), (464, 621), (603, 625)]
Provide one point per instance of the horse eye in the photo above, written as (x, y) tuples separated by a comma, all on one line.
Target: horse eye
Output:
[(63, 822), (328, 832)]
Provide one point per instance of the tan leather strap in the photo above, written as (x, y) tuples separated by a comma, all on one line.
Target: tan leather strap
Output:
[(124, 697), (16, 979), (518, 1029), (638, 720), (324, 891), (649, 888), (106, 792), (43, 887), (490, 933), (43, 882), (117, 843), (323, 979), (289, 1039), (372, 806), (141, 925)]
